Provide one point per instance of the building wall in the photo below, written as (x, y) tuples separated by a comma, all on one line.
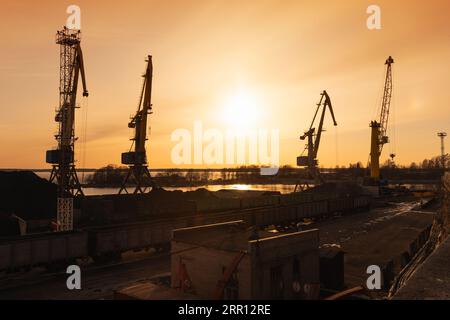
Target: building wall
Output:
[(275, 257), (265, 272), (205, 268)]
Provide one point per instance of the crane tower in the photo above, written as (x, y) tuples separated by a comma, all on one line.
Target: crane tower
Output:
[(62, 158), (136, 158), (379, 129), (313, 142)]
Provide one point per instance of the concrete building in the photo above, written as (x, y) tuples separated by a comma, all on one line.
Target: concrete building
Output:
[(231, 261)]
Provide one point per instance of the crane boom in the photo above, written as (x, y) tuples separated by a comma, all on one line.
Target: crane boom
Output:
[(139, 121), (385, 106), (326, 104), (379, 129), (81, 67)]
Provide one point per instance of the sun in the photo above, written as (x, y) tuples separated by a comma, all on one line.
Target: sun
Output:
[(242, 110)]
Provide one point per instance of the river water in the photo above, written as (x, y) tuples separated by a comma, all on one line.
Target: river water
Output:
[(282, 188)]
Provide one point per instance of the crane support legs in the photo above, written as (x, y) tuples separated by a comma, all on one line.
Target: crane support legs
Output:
[(139, 173), (67, 176)]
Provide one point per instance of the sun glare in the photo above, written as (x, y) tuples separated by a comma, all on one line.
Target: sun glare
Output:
[(242, 110)]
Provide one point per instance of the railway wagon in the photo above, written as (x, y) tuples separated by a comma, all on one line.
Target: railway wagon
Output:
[(46, 249), (219, 218), (302, 197), (361, 202), (218, 205), (286, 214), (349, 204), (253, 202), (262, 217), (277, 215), (340, 205), (109, 241), (312, 210)]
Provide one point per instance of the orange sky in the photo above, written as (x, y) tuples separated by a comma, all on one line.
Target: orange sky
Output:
[(283, 53)]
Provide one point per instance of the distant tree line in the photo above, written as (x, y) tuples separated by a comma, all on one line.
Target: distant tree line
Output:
[(113, 175)]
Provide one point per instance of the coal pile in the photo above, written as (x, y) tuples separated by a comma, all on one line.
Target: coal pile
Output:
[(26, 195), (340, 189), (8, 226), (198, 194)]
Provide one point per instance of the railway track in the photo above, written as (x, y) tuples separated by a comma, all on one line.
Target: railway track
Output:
[(19, 280)]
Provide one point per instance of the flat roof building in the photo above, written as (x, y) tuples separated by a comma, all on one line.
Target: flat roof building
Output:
[(231, 261)]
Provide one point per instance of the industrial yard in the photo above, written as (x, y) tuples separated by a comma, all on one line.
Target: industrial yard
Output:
[(353, 233), (254, 203)]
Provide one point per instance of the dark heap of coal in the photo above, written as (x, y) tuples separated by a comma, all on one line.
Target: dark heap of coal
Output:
[(341, 189), (26, 195), (8, 226)]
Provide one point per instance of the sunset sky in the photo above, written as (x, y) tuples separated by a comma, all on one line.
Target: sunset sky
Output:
[(271, 58)]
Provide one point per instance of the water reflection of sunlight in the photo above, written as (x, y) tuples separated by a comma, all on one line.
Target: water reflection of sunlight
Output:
[(241, 187)]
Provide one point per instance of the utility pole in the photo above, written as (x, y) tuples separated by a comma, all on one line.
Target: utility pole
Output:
[(442, 135)]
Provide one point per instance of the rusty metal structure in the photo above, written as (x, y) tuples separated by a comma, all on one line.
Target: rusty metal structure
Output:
[(63, 157)]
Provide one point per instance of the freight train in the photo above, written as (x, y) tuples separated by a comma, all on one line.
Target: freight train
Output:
[(108, 242)]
